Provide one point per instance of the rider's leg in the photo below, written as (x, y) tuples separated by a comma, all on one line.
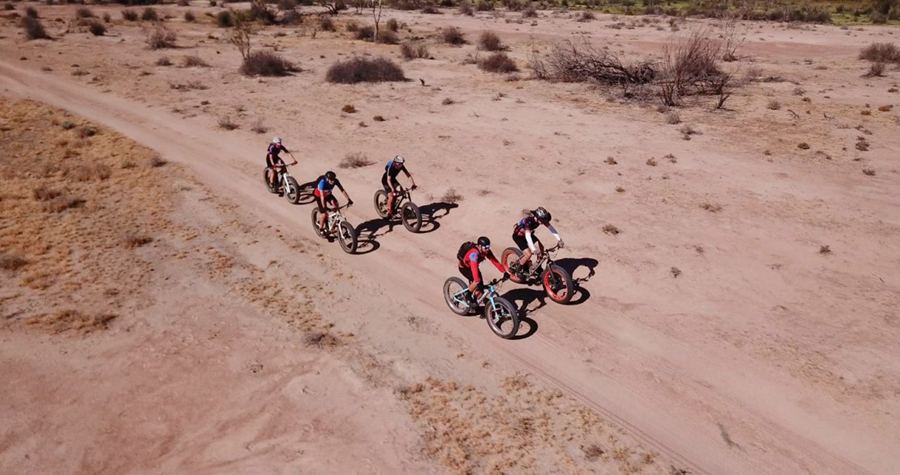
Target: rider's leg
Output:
[(323, 214)]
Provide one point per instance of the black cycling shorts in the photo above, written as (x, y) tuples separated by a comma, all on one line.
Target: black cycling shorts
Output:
[(386, 183), (278, 162), (328, 199), (522, 241)]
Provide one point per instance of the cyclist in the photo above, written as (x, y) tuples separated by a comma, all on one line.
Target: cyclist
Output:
[(472, 254), (273, 161), (323, 194), (523, 235), (389, 179)]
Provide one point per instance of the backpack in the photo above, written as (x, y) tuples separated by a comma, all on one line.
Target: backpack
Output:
[(464, 249)]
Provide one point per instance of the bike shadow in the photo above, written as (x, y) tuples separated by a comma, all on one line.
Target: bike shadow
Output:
[(306, 193), (523, 298), (431, 213), (573, 264), (371, 229)]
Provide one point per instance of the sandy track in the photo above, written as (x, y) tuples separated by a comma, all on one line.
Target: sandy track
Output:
[(679, 399)]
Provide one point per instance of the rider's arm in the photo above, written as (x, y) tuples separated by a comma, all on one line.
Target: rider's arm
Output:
[(497, 264), (338, 183), (473, 266), (411, 179), (554, 232), (529, 240)]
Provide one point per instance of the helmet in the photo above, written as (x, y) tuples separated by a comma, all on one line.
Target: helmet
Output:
[(330, 175), (276, 140), (399, 159), (541, 214), (484, 242)]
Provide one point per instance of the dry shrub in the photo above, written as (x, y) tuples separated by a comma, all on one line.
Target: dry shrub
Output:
[(326, 24), (586, 16), (351, 26), (803, 146), (226, 123), (571, 62), (129, 15), (673, 118), (430, 10), (267, 63), (611, 161), (448, 101), (161, 38), (132, 241), (149, 14), (367, 33), (452, 36), (62, 203), (43, 193), (489, 41), (881, 53), (465, 8), (359, 69), (11, 262), (711, 207), (592, 452), (875, 70), (393, 25), (259, 128), (87, 131), (690, 66), (349, 109), (610, 229), (451, 196), (225, 19), (193, 61), (886, 108), (825, 250), (651, 162), (529, 12), (773, 105), (355, 160), (321, 340), (158, 161), (84, 12), (414, 50), (498, 63), (89, 172), (74, 321), (484, 5), (34, 30), (189, 17), (868, 172), (675, 272), (96, 28)]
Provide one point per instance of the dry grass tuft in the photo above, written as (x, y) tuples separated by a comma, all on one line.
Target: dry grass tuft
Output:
[(498, 63), (711, 207), (161, 38), (194, 62), (448, 101), (868, 172), (414, 50), (592, 452), (72, 321), (452, 196), (803, 146), (42, 193), (881, 53), (156, 161), (611, 161), (773, 105), (348, 109), (876, 70), (268, 64), (164, 61), (226, 123), (355, 160), (651, 162), (489, 41), (321, 340), (96, 28), (673, 118), (825, 250), (34, 30), (129, 15), (11, 262), (135, 240), (610, 229), (453, 36), (675, 272)]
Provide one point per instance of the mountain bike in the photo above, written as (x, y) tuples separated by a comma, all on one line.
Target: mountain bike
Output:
[(336, 224), (284, 183), (408, 211), (501, 314), (557, 282)]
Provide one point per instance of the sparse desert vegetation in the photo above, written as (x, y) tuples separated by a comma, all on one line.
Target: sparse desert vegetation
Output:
[(355, 160), (359, 69), (267, 63)]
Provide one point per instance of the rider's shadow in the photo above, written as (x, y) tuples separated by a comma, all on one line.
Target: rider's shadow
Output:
[(368, 231), (431, 213), (523, 299)]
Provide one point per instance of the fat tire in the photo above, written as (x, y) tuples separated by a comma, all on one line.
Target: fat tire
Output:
[(413, 223), (513, 315), (504, 259), (566, 281), (292, 197), (315, 223), (380, 194), (449, 293), (348, 247)]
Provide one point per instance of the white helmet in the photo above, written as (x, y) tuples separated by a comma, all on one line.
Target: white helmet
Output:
[(276, 140), (399, 159)]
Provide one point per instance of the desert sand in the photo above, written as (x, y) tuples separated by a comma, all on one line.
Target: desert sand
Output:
[(169, 315)]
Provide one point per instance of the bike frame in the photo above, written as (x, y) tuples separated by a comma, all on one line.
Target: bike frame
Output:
[(282, 175), (400, 197), (334, 219), (489, 293), (545, 258)]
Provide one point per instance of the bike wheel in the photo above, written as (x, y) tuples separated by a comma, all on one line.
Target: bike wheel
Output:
[(347, 237), (411, 217), (452, 287), (558, 284), (509, 256), (504, 321), (315, 223), (269, 186), (293, 192), (381, 200)]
